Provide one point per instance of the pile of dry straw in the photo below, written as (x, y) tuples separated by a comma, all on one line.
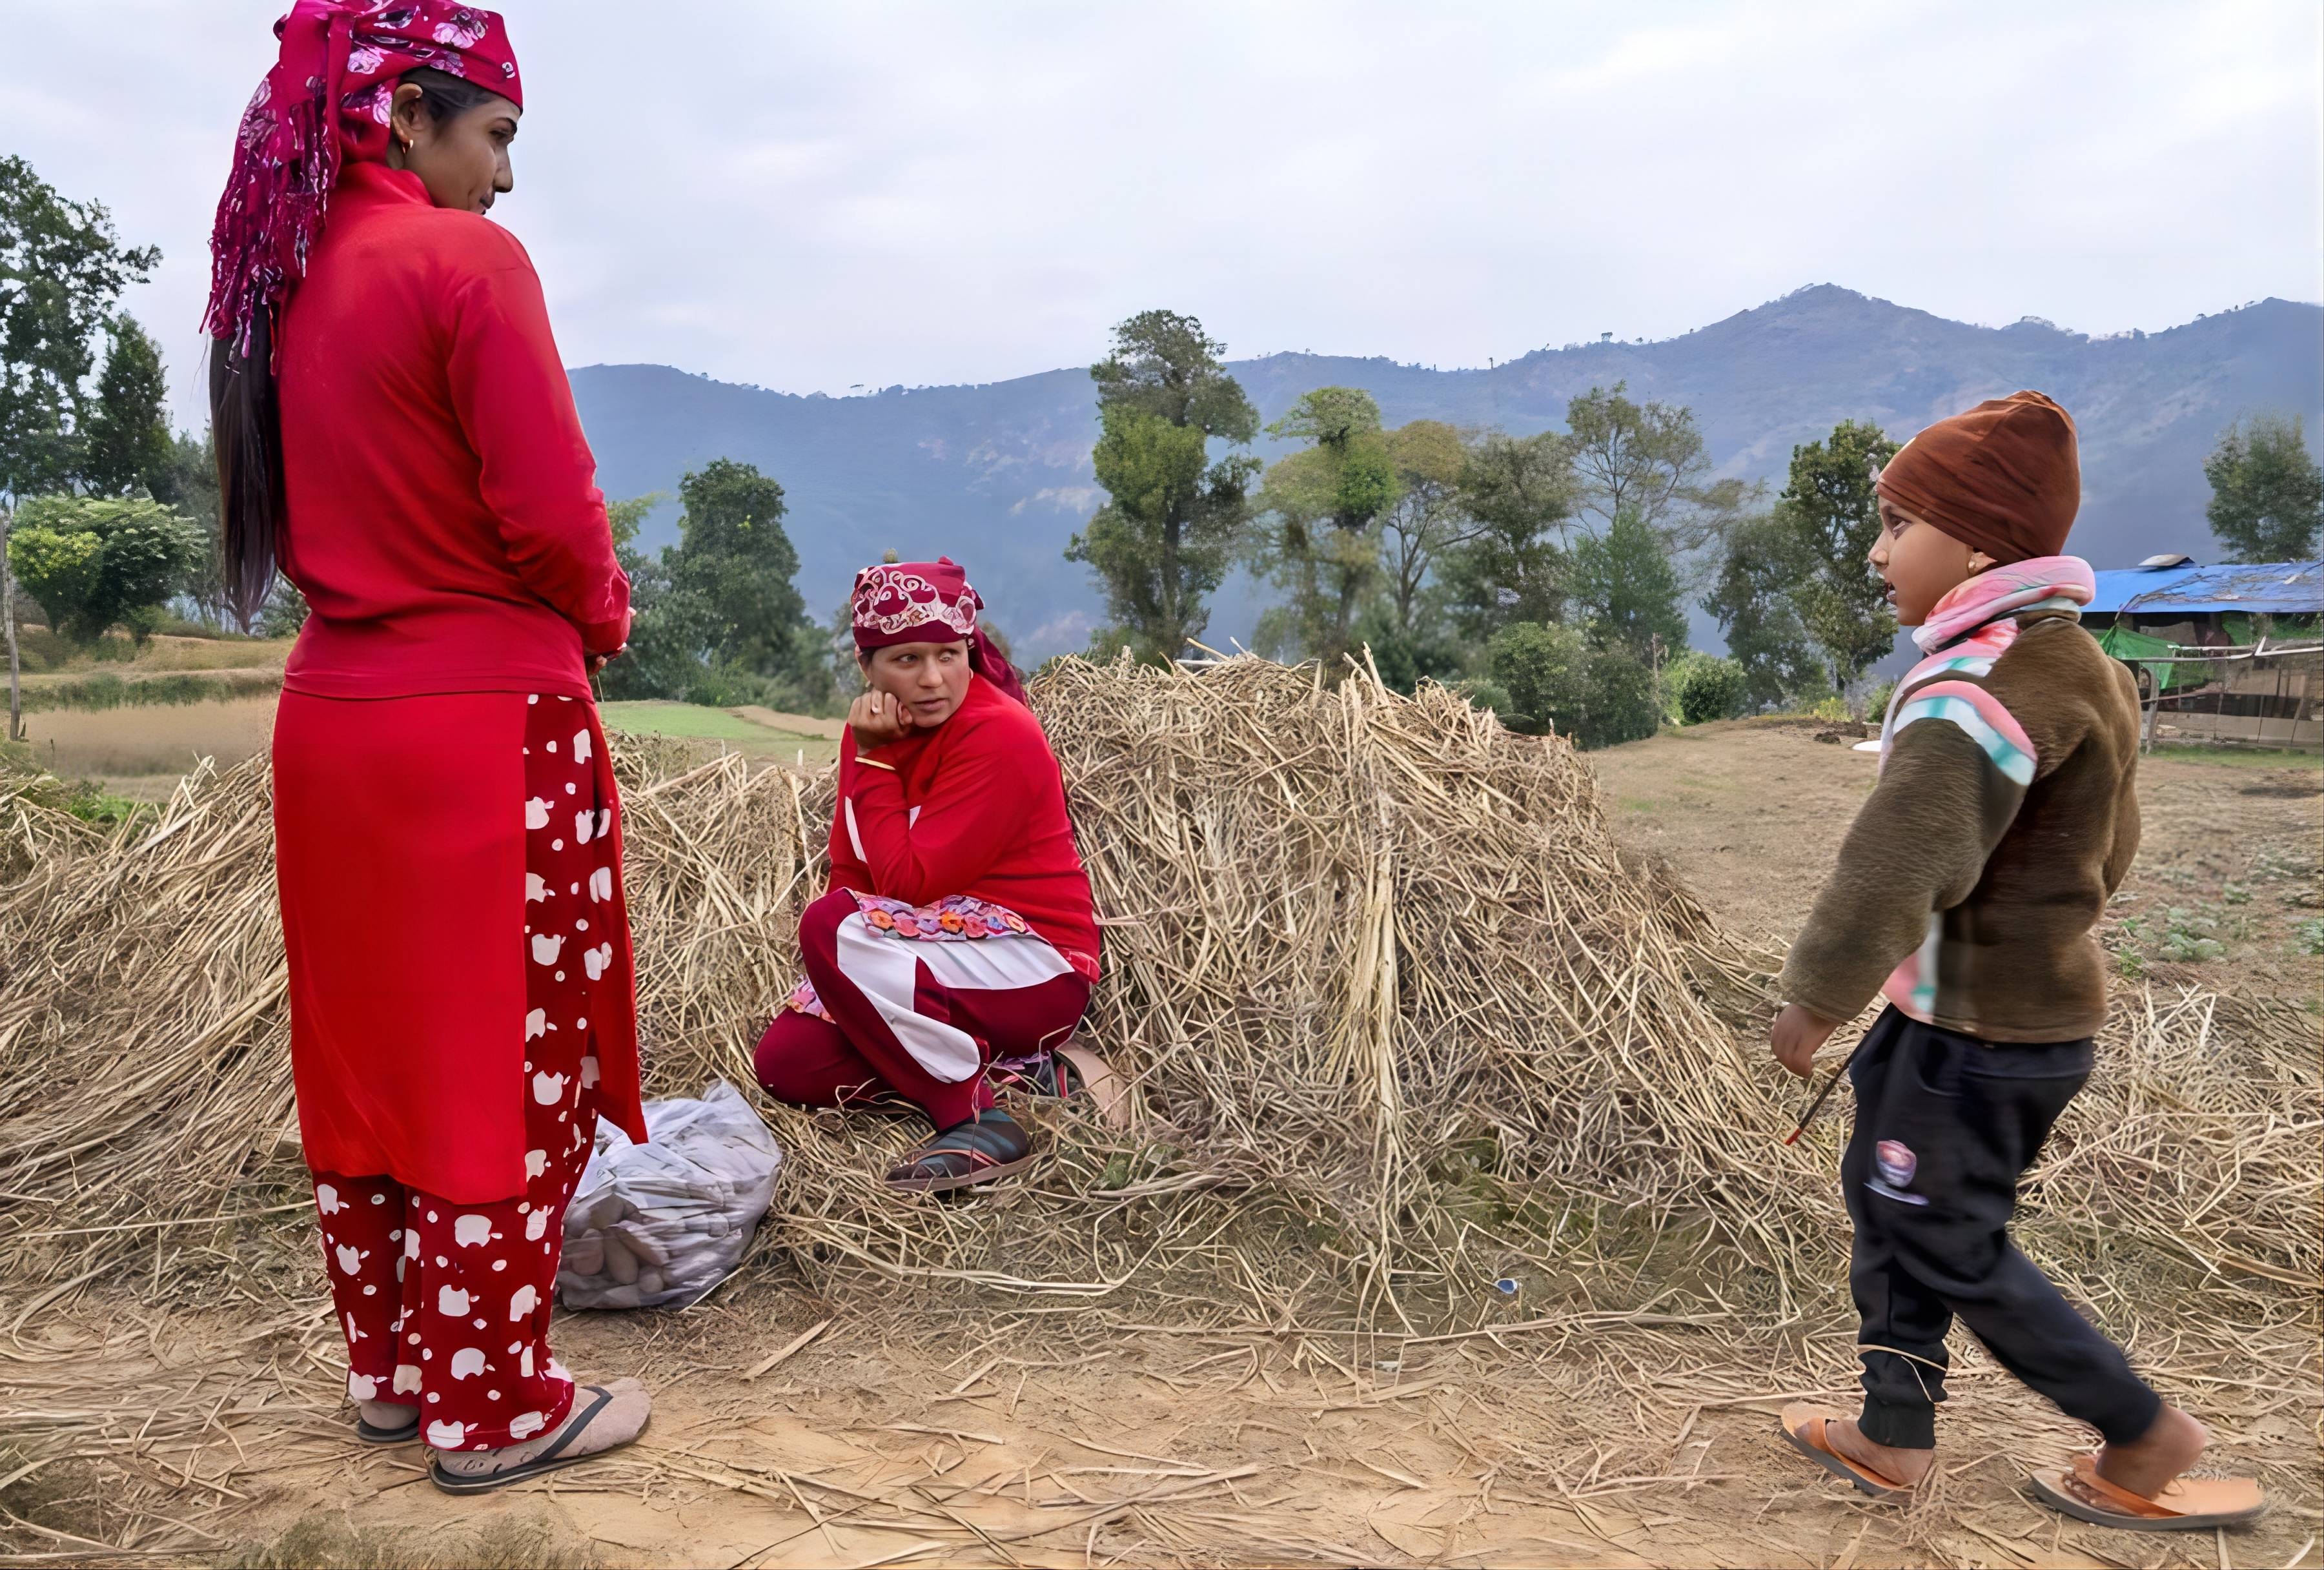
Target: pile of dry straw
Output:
[(1403, 1022)]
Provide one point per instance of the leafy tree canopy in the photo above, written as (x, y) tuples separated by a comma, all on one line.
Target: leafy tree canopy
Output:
[(1832, 516), (95, 563), (1623, 580), (1522, 492), (61, 270), (2267, 492), (126, 434), (1165, 538)]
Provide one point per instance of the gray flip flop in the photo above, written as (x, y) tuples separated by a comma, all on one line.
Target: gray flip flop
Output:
[(548, 1460)]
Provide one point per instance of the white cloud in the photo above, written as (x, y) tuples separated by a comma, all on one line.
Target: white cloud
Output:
[(812, 197)]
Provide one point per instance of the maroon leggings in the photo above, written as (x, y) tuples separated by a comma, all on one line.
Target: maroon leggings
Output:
[(919, 1019)]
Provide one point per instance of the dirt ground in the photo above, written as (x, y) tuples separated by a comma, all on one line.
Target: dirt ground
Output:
[(887, 1439), (1750, 815), (1034, 1436)]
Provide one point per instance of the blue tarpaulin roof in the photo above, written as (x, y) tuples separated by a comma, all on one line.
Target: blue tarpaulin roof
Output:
[(2282, 589)]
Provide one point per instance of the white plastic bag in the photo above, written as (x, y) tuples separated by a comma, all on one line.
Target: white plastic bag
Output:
[(661, 1223)]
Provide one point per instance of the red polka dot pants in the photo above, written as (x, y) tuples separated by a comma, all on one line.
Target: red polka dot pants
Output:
[(446, 1306)]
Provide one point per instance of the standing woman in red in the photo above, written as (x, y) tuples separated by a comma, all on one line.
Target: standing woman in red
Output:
[(957, 940), (395, 432)]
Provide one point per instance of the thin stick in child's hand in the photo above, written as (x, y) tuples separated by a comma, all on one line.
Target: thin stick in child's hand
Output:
[(1816, 1106)]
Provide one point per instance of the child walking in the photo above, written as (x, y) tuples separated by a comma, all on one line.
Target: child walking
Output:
[(1965, 892)]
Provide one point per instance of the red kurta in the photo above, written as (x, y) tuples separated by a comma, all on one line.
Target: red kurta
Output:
[(445, 525), (975, 807)]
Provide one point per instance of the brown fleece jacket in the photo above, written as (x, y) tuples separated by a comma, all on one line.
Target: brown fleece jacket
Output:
[(2005, 819)]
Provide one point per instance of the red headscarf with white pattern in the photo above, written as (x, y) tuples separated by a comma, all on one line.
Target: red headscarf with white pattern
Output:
[(327, 100), (928, 602)]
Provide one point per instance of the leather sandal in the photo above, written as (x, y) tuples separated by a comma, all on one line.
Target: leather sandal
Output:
[(2188, 1504), (986, 1149), (1804, 1426)]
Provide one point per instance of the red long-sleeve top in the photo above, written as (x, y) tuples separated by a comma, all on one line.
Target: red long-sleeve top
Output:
[(975, 807), (443, 518)]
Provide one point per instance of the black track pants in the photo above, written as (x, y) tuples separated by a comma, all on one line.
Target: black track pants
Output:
[(1945, 1126)]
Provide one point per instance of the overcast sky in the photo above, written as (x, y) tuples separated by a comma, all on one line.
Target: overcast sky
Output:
[(813, 197)]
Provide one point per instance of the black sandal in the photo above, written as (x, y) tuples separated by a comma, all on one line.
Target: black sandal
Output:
[(987, 1148), (371, 1432), (548, 1460)]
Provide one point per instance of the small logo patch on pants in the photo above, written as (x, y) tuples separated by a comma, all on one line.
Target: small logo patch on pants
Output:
[(1894, 1163)]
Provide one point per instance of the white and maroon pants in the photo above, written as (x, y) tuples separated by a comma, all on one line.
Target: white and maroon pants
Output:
[(898, 1003), (445, 1305)]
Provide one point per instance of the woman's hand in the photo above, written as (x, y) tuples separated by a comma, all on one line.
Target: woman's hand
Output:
[(597, 662), (1796, 1036), (878, 718)]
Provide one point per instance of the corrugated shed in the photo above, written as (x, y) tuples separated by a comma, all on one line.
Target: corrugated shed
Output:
[(2282, 589)]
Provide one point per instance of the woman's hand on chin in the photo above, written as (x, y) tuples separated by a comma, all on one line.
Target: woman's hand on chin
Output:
[(878, 718)]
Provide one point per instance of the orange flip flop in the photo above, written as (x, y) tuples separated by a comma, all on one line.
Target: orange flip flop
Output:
[(1803, 1425), (2190, 1504)]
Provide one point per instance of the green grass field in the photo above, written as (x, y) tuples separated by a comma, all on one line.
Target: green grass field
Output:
[(696, 723)]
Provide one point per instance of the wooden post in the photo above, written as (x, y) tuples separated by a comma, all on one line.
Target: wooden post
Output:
[(8, 619)]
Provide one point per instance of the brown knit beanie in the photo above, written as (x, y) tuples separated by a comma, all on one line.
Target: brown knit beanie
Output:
[(2003, 479)]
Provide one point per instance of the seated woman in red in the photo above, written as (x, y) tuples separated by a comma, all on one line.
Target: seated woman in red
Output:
[(958, 928)]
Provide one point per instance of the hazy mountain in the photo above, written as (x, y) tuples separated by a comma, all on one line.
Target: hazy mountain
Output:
[(999, 474)]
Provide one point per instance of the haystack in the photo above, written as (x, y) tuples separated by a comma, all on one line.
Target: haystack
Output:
[(1407, 1029)]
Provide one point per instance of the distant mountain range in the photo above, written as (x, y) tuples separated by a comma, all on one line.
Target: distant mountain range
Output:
[(999, 474)]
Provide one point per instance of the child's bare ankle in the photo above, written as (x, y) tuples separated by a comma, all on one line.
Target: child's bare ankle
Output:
[(2147, 1466), (1905, 1466)]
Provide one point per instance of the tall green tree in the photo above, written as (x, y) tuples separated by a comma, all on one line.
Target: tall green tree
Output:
[(1327, 501), (62, 268), (1647, 459), (1761, 568), (1832, 515), (1522, 492), (1624, 582), (1405, 627), (1165, 540), (718, 617), (125, 435), (2267, 492), (1429, 518), (737, 561)]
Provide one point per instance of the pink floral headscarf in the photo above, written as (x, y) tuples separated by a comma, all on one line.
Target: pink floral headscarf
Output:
[(325, 101)]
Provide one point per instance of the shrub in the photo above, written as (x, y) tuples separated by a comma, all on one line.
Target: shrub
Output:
[(94, 564), (1556, 680), (1488, 695), (285, 611), (1704, 688), (1623, 703), (1544, 669)]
